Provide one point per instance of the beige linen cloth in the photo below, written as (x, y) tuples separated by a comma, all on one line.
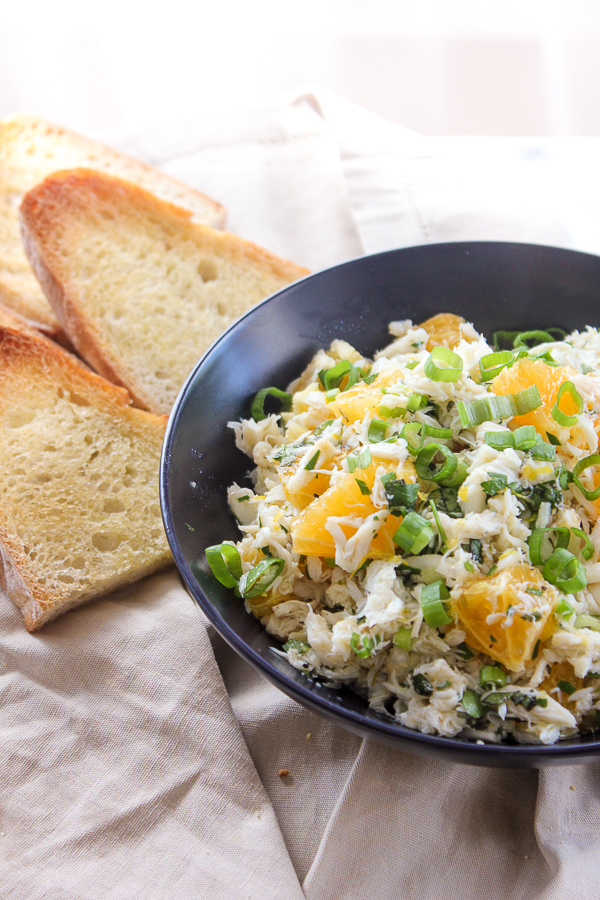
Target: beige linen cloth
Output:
[(140, 755)]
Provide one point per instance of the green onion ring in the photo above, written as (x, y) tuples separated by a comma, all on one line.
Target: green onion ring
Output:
[(450, 371), (587, 551), (567, 387), (258, 579), (414, 533), (536, 542), (492, 364), (564, 570), (226, 564), (434, 611), (581, 466), (257, 409), (442, 472)]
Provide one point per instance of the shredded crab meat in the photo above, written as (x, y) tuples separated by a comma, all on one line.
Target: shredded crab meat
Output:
[(408, 588)]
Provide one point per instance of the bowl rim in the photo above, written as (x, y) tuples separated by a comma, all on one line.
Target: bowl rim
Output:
[(392, 732)]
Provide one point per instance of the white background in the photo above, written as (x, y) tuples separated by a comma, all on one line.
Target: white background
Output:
[(530, 67)]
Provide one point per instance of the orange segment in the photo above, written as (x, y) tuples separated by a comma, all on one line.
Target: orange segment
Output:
[(562, 671), (512, 645), (443, 329), (548, 379), (309, 534), (354, 403), (316, 485)]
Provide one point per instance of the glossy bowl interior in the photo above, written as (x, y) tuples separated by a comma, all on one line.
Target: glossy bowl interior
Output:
[(494, 285)]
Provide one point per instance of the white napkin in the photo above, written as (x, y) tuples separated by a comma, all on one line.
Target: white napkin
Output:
[(125, 772)]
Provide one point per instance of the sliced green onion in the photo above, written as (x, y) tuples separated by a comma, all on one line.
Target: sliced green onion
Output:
[(591, 622), (437, 473), (364, 487), (566, 687), (464, 651), (587, 551), (553, 439), (581, 466), (567, 387), (506, 337), (564, 609), (434, 611), (359, 459), (416, 401), (362, 644), (257, 409), (527, 400), (438, 523), (534, 338), (565, 571), (543, 451), (312, 461), (499, 440), (413, 435), (392, 412), (403, 639), (492, 364), (443, 433), (414, 533), (331, 395), (493, 408), (471, 702), (226, 564), (525, 437), (497, 698), (459, 475), (585, 369), (450, 368), (258, 579), (492, 675), (377, 431), (412, 364), (332, 378), (541, 546), (401, 497)]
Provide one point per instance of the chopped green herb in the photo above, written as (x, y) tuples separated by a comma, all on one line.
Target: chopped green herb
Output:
[(299, 646), (494, 484), (312, 461), (566, 687), (422, 685), (364, 487)]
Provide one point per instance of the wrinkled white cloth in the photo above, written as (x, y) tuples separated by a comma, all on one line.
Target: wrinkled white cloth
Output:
[(140, 754)]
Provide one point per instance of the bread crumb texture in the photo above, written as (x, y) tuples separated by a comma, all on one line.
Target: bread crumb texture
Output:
[(30, 150), (141, 291), (79, 501)]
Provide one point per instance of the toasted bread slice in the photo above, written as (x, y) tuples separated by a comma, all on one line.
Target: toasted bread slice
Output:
[(30, 150), (79, 498), (141, 291)]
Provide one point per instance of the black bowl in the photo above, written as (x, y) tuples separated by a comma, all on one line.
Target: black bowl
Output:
[(494, 285)]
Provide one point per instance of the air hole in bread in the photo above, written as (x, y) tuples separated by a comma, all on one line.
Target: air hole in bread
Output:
[(112, 505), (66, 579), (41, 479), (161, 375), (130, 470), (88, 439), (207, 269), (49, 448), (103, 486), (106, 541)]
